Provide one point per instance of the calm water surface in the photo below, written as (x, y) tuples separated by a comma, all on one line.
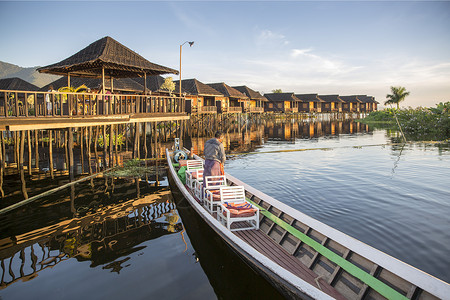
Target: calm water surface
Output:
[(395, 198), (116, 238)]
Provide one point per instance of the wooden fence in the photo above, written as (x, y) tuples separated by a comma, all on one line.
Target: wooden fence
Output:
[(51, 104)]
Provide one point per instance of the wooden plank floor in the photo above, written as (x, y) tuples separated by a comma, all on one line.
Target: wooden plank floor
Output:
[(268, 247)]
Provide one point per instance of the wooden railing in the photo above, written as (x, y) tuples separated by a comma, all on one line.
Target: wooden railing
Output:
[(256, 109), (24, 104), (207, 109), (291, 109), (234, 109)]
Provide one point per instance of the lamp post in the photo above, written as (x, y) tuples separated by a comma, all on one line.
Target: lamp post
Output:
[(181, 46)]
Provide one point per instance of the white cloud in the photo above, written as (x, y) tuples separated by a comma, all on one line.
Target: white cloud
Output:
[(269, 38)]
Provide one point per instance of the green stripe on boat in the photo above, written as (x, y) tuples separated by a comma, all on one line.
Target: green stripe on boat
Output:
[(365, 277)]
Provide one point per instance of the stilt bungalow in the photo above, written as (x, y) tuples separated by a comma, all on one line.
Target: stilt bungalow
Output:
[(332, 103), (256, 99), (200, 98), (310, 103), (281, 102), (367, 104), (351, 104), (105, 60), (233, 100)]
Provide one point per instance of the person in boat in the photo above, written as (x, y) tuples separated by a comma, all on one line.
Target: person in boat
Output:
[(214, 156)]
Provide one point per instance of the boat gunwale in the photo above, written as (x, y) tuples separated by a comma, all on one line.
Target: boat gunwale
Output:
[(243, 247), (411, 274)]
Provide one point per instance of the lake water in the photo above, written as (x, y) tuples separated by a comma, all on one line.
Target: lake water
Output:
[(117, 238)]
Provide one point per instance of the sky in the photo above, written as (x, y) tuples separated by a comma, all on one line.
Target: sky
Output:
[(324, 47)]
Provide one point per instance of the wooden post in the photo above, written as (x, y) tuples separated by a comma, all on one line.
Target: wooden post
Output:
[(82, 130), (22, 171), (136, 153), (103, 89), (111, 143), (105, 148), (50, 152), (71, 163), (2, 164), (29, 151), (36, 150), (95, 148), (5, 94), (117, 143), (88, 149), (66, 151)]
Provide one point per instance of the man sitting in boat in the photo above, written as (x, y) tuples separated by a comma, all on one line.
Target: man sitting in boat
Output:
[(214, 156)]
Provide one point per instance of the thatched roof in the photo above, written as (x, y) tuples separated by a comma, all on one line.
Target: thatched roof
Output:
[(253, 95), (17, 84), (195, 87), (366, 99), (118, 61), (331, 98), (278, 97), (119, 84), (349, 99), (227, 90), (309, 97)]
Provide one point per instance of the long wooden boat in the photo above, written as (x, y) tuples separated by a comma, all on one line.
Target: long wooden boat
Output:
[(307, 259)]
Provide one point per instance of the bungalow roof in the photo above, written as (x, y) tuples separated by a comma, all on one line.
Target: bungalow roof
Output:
[(309, 97), (366, 99), (195, 87), (250, 93), (227, 90), (278, 97), (331, 98), (108, 54), (17, 84), (153, 82), (119, 84), (352, 99)]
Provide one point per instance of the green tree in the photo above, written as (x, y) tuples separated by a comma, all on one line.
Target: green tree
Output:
[(277, 91), (168, 85), (399, 94)]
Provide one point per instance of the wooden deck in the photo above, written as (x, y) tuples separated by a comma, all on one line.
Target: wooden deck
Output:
[(54, 122), (268, 247)]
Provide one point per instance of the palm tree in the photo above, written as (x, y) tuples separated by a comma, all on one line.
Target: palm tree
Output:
[(399, 94)]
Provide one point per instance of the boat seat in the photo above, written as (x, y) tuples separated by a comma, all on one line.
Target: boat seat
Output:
[(233, 207), (211, 193), (193, 165)]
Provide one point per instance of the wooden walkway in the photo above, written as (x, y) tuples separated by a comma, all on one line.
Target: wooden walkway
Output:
[(54, 122)]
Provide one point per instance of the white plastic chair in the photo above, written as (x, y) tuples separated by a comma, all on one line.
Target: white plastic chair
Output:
[(241, 210), (193, 165), (210, 191)]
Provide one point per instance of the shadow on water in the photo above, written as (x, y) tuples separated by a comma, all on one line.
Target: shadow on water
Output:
[(102, 226)]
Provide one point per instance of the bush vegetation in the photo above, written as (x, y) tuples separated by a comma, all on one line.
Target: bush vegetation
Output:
[(417, 123)]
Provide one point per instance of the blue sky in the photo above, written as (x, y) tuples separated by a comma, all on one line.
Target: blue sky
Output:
[(325, 47)]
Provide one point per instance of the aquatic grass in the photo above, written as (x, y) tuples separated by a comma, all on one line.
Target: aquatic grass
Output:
[(417, 123), (132, 168)]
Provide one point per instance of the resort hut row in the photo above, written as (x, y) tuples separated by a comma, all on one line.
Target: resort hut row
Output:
[(308, 103)]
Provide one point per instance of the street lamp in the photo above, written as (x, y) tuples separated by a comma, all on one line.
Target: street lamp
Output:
[(181, 46)]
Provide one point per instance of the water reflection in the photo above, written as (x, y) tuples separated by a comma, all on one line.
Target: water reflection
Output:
[(102, 230)]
